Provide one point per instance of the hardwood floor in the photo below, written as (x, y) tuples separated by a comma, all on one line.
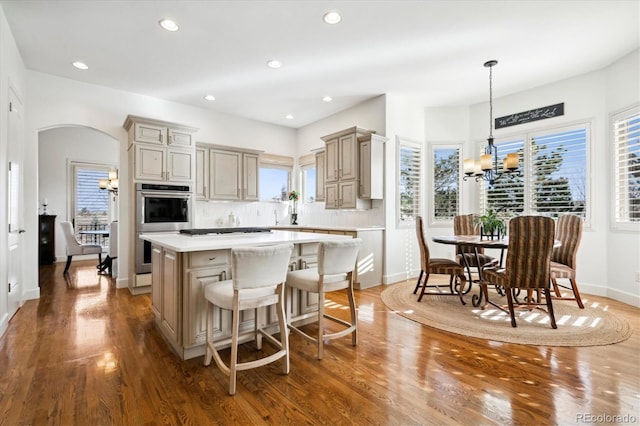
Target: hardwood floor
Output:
[(87, 353)]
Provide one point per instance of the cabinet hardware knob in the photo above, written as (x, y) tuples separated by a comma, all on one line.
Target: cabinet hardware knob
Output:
[(212, 258)]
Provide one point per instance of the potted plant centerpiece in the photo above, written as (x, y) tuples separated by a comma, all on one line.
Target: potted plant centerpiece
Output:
[(293, 196), (492, 226)]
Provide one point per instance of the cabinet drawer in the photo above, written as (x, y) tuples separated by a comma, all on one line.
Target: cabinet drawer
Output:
[(149, 133), (201, 259), (308, 249)]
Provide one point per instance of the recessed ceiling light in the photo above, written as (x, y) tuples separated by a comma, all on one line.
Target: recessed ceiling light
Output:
[(274, 63), (210, 97), (80, 65), (289, 117), (327, 99), (169, 25), (332, 17)]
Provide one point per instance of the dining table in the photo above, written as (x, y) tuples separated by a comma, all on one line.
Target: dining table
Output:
[(477, 241)]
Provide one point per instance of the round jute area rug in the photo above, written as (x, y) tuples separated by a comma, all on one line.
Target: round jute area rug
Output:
[(592, 326)]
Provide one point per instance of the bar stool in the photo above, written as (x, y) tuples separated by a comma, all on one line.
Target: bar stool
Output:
[(258, 277), (336, 263)]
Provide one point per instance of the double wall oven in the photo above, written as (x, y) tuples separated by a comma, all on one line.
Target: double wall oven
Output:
[(159, 208)]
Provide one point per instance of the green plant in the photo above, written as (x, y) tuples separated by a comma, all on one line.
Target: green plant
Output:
[(492, 223)]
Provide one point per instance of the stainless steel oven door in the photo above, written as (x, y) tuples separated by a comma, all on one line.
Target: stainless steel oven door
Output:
[(162, 211)]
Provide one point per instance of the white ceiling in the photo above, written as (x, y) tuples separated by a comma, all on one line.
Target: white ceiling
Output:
[(433, 50)]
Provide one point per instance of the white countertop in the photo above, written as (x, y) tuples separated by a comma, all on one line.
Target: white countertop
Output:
[(185, 243), (331, 228)]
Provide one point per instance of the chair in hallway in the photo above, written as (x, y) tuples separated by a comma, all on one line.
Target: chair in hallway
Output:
[(563, 258), (336, 264), (74, 248), (466, 255), (258, 277), (528, 265), (429, 265)]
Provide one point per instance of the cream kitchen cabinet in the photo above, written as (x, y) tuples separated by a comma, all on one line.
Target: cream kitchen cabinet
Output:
[(160, 150), (166, 298), (320, 159), (201, 189), (353, 169), (231, 175)]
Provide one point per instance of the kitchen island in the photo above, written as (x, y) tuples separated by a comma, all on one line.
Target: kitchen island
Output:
[(182, 265)]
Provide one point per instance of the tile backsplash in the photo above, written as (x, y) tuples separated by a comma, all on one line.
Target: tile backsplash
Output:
[(211, 214)]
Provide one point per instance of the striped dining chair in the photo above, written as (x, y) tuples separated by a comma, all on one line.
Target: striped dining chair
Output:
[(563, 258), (528, 265)]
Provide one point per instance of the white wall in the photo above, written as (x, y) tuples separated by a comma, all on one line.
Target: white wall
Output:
[(58, 101), (12, 74), (56, 148)]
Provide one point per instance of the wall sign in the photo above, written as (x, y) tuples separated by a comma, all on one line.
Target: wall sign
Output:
[(531, 115)]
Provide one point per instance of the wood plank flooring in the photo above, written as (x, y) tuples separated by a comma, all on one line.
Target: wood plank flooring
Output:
[(87, 353)]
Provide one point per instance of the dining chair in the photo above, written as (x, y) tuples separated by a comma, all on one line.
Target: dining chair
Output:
[(112, 250), (74, 247), (429, 265), (466, 255), (257, 280), (528, 265), (335, 271), (563, 258)]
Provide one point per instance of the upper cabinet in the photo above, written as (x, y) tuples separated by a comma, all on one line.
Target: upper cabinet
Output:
[(223, 173), (320, 159), (353, 169), (160, 150)]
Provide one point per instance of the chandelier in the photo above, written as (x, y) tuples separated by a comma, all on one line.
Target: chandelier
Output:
[(487, 168), (111, 184)]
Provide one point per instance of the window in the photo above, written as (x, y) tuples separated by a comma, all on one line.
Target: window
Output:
[(554, 180), (275, 177), (308, 175), (626, 167), (410, 185), (445, 183), (91, 205)]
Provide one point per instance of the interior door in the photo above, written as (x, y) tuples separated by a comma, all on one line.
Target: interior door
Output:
[(15, 204)]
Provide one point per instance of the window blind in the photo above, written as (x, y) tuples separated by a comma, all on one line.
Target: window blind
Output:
[(626, 134), (446, 181), (410, 171)]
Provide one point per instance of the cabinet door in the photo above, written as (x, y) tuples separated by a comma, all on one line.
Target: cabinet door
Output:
[(202, 173), (320, 159), (250, 177), (179, 165), (196, 317), (149, 133), (348, 157), (179, 138), (348, 193), (364, 175), (225, 168), (150, 162), (171, 297), (156, 281), (331, 196), (331, 161)]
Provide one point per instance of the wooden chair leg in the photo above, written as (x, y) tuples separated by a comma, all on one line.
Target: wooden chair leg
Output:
[(547, 294), (320, 322), (66, 268), (461, 288), (576, 293), (424, 286), (511, 310), (556, 288), (415, 290)]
